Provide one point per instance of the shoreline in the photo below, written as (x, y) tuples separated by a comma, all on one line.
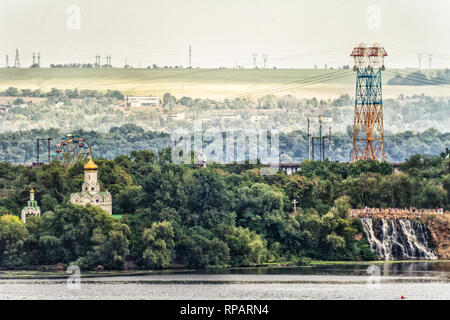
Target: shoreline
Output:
[(26, 274)]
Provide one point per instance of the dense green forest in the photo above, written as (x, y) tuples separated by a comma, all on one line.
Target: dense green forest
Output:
[(20, 147), (181, 215)]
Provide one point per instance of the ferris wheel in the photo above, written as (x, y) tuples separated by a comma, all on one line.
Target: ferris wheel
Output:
[(73, 148)]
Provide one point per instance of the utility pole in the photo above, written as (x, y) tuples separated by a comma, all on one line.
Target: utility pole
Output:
[(17, 60), (34, 58), (309, 137), (320, 137), (254, 56), (430, 56), (39, 59), (313, 148), (190, 57), (49, 139), (38, 150), (323, 147), (7, 62), (329, 143), (419, 56)]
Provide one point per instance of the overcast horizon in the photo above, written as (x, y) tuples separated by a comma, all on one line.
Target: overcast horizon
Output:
[(293, 34)]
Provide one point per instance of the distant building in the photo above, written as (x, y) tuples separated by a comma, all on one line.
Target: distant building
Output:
[(31, 209), (149, 101), (90, 190)]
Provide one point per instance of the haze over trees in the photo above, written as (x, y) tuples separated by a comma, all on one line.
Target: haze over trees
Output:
[(20, 147)]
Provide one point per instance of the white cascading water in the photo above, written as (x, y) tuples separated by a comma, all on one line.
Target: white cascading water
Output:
[(398, 239)]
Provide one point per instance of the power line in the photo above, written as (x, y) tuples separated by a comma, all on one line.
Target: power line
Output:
[(293, 84)]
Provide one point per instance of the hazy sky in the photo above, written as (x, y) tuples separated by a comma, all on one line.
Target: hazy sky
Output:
[(292, 33)]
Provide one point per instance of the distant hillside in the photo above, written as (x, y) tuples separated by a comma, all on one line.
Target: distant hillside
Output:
[(420, 79), (215, 84)]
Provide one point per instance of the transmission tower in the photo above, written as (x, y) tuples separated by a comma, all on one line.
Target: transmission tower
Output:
[(97, 60), (419, 56), (7, 62), (190, 57), (34, 58), (39, 59), (368, 129), (430, 56), (265, 60), (254, 56), (17, 60)]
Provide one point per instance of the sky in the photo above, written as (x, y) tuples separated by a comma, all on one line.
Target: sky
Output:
[(292, 33)]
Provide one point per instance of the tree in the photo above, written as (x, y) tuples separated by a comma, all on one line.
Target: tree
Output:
[(159, 241), (12, 238), (208, 199), (260, 208), (246, 247), (87, 235), (198, 247), (168, 99), (18, 101), (12, 92)]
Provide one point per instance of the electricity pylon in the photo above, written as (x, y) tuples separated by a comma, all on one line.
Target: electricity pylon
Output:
[(368, 128)]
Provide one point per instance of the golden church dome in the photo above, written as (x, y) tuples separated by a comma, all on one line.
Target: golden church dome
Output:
[(90, 165)]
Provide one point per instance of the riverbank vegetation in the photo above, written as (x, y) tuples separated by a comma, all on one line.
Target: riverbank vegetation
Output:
[(180, 215)]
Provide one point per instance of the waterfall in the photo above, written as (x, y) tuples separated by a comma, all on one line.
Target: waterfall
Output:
[(398, 239)]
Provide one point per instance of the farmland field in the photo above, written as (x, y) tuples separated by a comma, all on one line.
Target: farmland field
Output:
[(216, 84)]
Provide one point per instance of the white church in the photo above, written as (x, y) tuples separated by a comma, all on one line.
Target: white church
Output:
[(90, 190), (32, 209)]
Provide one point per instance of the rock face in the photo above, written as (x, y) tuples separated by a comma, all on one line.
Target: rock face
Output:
[(439, 226), (399, 239)]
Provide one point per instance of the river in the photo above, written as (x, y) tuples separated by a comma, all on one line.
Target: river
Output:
[(412, 280)]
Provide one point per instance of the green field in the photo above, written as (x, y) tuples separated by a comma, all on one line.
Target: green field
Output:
[(205, 83)]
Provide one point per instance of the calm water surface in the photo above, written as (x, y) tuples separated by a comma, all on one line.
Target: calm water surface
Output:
[(414, 280)]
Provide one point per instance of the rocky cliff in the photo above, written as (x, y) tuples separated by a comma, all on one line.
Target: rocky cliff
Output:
[(439, 226)]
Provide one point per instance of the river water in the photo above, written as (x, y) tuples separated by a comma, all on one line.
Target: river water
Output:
[(413, 280)]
